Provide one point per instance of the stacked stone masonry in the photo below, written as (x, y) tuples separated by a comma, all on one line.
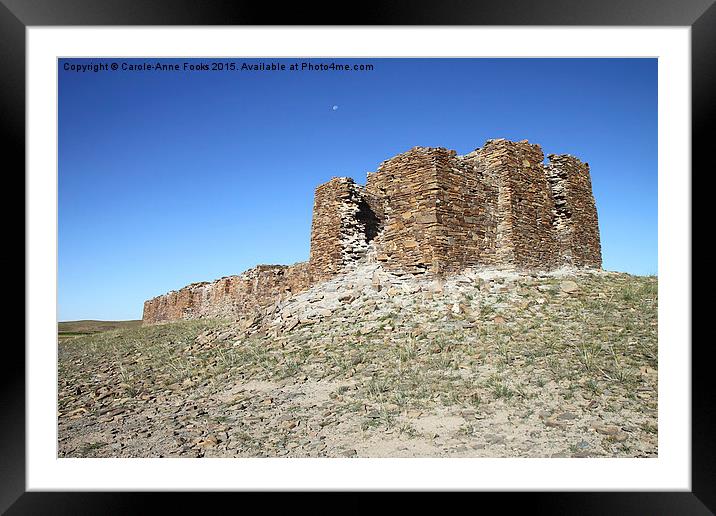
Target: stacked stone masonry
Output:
[(231, 297), (575, 217), (343, 225), (426, 211)]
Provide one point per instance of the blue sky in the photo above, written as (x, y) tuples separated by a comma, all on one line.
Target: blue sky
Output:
[(167, 178)]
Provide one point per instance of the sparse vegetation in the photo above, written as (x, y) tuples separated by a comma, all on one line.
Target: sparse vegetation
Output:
[(517, 352)]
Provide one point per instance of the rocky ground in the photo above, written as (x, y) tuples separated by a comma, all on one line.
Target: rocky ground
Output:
[(482, 364)]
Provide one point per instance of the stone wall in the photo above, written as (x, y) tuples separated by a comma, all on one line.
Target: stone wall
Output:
[(438, 213), (406, 189), (229, 297), (575, 215), (343, 225), (466, 211), (524, 209), (443, 212), (427, 210)]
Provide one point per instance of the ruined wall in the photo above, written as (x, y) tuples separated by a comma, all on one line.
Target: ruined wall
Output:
[(408, 187), (466, 212), (229, 297), (426, 210), (524, 207), (343, 225), (443, 212), (575, 214), (438, 212)]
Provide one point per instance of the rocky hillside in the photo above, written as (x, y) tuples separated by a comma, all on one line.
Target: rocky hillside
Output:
[(372, 364)]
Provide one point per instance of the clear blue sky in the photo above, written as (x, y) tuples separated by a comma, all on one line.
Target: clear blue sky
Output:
[(167, 178)]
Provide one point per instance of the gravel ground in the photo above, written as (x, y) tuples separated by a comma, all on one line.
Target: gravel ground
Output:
[(482, 364)]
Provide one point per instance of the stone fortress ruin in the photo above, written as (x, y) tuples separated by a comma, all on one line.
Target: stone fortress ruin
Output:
[(426, 211)]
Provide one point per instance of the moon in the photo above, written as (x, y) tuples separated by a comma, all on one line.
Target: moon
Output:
[(335, 108)]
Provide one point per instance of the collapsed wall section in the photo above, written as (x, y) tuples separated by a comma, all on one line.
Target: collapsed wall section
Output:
[(229, 297), (575, 221), (343, 225)]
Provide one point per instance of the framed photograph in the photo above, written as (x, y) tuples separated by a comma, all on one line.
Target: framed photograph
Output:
[(443, 248)]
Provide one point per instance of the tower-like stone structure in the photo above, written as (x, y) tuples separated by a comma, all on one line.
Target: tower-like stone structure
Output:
[(435, 211), (343, 225), (575, 213), (524, 206)]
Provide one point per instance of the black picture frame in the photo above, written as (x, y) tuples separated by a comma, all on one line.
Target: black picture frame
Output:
[(17, 15)]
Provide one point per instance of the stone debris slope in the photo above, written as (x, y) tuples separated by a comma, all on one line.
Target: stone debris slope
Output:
[(485, 363)]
